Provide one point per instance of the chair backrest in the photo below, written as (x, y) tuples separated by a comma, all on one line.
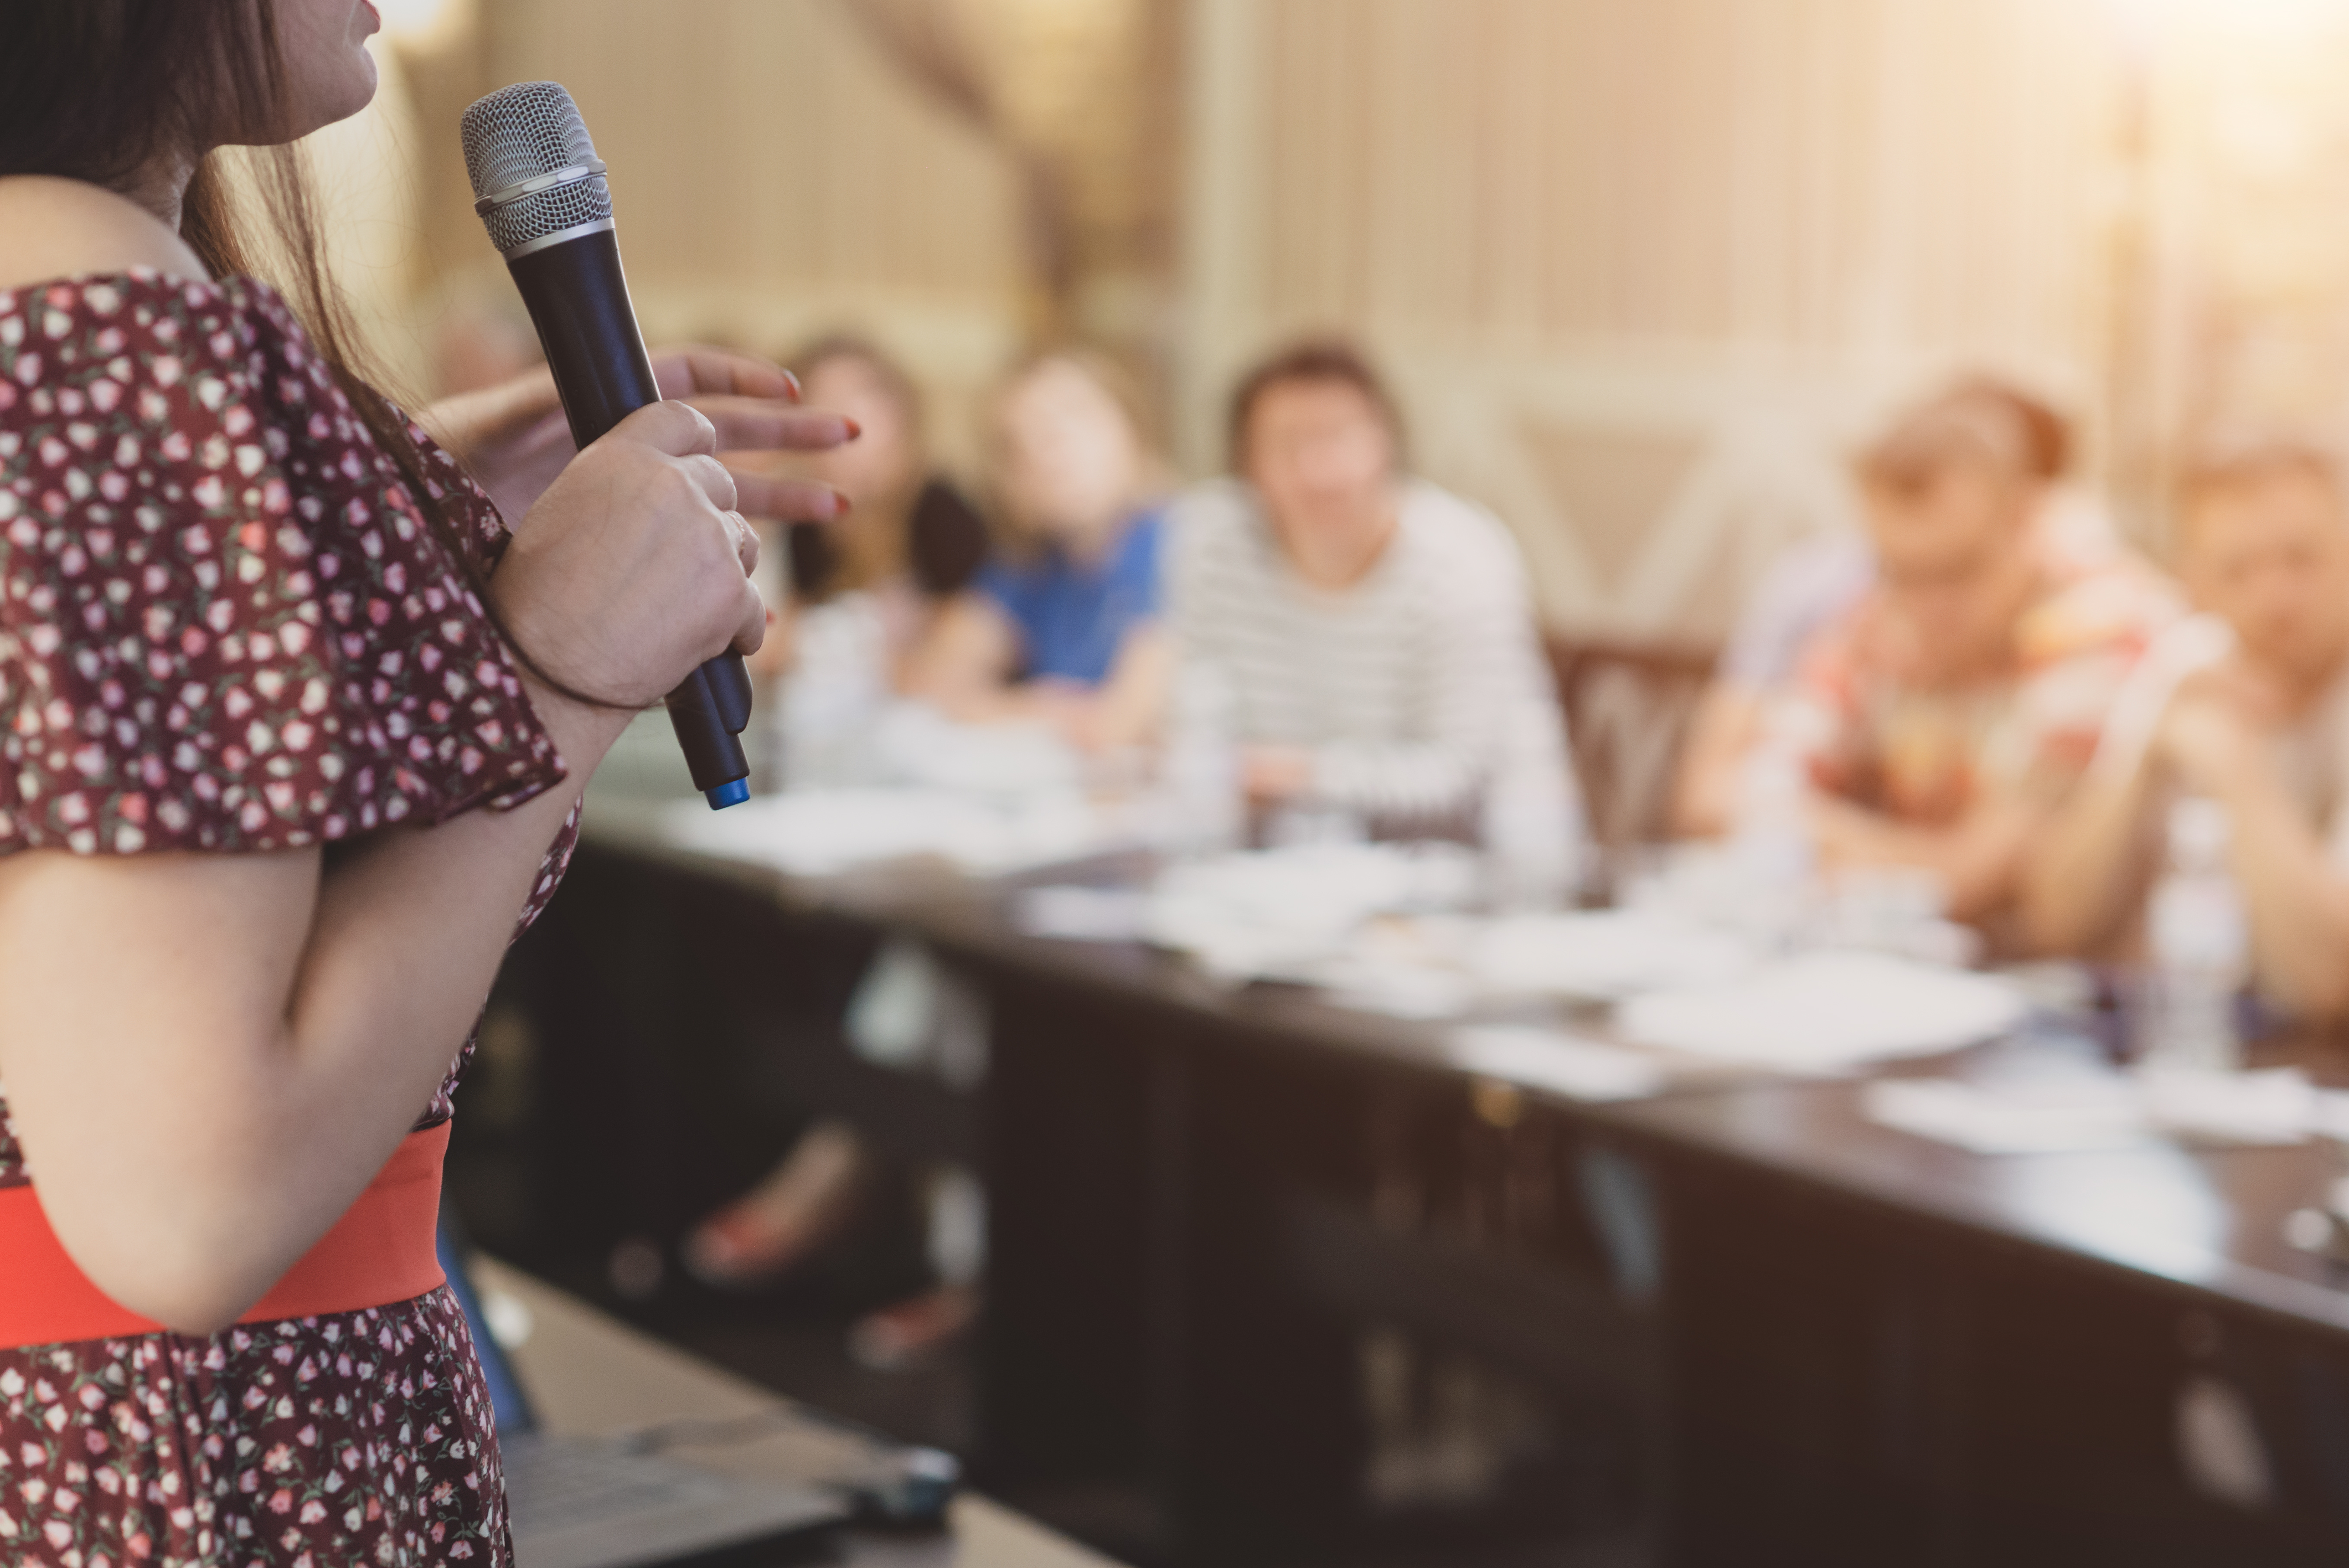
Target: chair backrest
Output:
[(1627, 708)]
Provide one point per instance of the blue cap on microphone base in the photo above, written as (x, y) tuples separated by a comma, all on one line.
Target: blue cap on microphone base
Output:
[(733, 792)]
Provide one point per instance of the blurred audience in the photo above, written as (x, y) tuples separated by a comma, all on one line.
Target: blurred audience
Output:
[(2249, 706), (864, 590), (867, 589), (1820, 579), (1944, 716), (1373, 636), (1063, 626)]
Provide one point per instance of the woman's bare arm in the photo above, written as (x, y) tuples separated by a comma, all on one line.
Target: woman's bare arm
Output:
[(1131, 705), (2076, 884), (1727, 722), (1979, 859), (207, 1057), (960, 662), (2296, 896)]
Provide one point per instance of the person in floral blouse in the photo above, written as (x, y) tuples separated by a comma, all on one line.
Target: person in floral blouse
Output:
[(1947, 713), (292, 734)]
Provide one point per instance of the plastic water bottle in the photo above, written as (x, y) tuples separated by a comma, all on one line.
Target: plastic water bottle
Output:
[(2200, 939), (1532, 829), (1771, 848), (1199, 778)]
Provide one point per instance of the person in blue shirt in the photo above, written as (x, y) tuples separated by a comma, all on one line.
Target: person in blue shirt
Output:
[(1064, 627)]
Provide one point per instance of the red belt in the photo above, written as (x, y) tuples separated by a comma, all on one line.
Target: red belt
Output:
[(380, 1252)]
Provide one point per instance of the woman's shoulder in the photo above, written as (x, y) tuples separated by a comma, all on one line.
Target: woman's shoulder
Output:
[(226, 622), (52, 229)]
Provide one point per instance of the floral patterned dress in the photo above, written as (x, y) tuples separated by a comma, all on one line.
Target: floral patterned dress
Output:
[(224, 626)]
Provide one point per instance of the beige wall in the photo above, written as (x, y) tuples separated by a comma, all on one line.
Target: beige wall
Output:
[(773, 177), (1639, 268)]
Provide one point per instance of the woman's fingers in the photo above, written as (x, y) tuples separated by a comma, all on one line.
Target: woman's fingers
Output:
[(763, 425), (746, 541), (716, 479), (784, 500), (751, 629), (676, 429), (698, 369)]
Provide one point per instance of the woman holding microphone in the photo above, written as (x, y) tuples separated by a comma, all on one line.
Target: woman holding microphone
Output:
[(292, 734)]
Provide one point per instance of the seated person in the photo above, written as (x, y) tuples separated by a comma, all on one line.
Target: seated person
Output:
[(866, 589), (1062, 628), (2256, 717), (1945, 715), (1374, 636), (1814, 582), (1802, 594)]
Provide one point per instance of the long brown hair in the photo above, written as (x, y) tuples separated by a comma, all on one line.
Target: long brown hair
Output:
[(103, 91)]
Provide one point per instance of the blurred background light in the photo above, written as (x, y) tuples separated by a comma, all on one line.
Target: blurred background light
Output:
[(2142, 18), (425, 24)]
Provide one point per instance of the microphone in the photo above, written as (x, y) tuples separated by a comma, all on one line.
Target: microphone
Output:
[(540, 189)]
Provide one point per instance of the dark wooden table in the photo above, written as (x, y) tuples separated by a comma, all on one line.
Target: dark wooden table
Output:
[(1753, 1325), (590, 1376)]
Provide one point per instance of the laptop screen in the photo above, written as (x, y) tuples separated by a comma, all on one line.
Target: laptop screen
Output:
[(508, 1403)]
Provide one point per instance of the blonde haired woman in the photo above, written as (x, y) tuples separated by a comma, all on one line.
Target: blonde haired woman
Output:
[(1064, 627)]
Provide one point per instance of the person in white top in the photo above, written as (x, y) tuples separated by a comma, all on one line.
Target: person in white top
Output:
[(2248, 706), (1375, 634), (863, 592)]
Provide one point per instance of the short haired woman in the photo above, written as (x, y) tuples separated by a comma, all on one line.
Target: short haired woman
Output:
[(295, 734)]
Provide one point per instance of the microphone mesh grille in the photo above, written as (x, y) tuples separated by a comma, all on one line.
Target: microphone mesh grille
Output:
[(518, 133)]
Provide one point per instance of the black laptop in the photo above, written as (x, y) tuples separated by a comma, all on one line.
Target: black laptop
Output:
[(580, 1503)]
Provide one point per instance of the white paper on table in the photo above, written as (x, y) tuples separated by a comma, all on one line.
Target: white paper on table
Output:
[(1825, 1013), (1275, 913), (1416, 991), (1989, 1121), (2276, 1106), (1552, 1059), (1073, 912), (2330, 1117), (822, 832), (1604, 955), (2269, 1109)]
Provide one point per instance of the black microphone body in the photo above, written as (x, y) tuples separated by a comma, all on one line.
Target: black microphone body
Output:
[(541, 189), (578, 299)]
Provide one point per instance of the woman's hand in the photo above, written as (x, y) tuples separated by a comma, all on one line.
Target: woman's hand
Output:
[(514, 440), (635, 565)]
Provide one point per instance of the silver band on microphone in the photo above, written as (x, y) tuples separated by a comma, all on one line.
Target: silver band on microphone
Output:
[(571, 174), (601, 226)]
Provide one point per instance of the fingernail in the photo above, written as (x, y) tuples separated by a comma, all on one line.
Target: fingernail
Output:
[(840, 504), (855, 429), (793, 383)]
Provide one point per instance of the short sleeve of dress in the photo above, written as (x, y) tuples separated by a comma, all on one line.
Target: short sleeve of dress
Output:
[(224, 624)]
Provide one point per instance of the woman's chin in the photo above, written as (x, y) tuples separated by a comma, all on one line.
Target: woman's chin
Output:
[(351, 90)]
